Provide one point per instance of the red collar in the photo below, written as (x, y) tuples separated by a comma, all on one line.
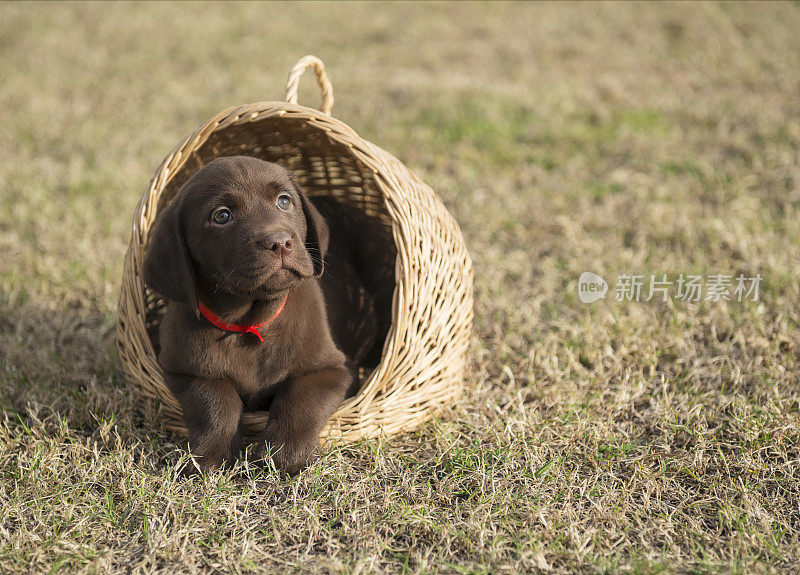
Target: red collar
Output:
[(240, 329)]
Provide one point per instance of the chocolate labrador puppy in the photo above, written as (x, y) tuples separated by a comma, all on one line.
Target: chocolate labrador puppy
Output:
[(252, 322)]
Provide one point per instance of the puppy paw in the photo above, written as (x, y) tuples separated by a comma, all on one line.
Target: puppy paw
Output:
[(289, 457), (208, 452)]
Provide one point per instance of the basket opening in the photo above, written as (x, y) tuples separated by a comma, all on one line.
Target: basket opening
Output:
[(323, 167)]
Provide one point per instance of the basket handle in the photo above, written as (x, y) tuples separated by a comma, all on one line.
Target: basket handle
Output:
[(293, 81)]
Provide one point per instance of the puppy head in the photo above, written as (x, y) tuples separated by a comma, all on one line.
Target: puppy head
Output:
[(239, 225)]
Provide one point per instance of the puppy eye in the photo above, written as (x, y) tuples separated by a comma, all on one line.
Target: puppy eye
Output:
[(222, 216), (284, 201)]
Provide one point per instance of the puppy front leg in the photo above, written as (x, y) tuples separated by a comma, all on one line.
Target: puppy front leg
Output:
[(212, 411), (299, 412)]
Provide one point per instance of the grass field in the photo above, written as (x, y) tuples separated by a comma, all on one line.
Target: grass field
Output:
[(616, 436)]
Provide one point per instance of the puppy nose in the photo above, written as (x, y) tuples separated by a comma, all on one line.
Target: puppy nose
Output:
[(277, 242)]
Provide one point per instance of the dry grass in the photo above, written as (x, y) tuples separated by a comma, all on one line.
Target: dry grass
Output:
[(611, 437)]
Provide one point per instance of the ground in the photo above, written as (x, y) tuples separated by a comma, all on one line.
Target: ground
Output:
[(614, 436)]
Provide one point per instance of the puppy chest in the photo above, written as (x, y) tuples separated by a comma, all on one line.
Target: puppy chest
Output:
[(254, 370)]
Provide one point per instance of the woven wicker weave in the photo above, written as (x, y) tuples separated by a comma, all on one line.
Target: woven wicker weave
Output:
[(423, 361)]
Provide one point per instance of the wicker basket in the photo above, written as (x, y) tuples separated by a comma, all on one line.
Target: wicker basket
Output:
[(423, 361)]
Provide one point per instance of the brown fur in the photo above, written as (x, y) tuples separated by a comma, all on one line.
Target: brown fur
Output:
[(242, 270)]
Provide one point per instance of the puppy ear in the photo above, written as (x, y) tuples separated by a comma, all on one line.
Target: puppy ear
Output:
[(316, 232), (167, 267)]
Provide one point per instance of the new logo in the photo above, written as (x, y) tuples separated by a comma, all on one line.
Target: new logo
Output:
[(591, 287)]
